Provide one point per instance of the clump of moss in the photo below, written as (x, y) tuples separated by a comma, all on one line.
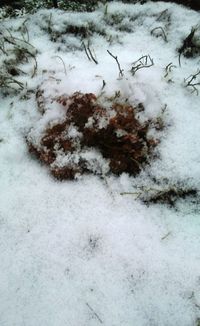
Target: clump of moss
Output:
[(115, 134)]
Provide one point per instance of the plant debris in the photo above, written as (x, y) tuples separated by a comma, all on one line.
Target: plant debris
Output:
[(191, 45), (170, 196), (165, 192), (92, 137)]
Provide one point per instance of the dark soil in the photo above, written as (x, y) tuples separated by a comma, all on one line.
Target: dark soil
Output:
[(193, 4), (123, 140)]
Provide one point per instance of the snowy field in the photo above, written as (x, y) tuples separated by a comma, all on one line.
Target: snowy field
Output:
[(90, 251)]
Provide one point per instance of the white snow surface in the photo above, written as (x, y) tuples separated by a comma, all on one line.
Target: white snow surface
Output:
[(78, 253)]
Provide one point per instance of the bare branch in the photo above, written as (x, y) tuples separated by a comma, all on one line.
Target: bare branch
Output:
[(104, 84), (94, 313), (162, 14), (189, 82), (57, 56), (85, 48), (89, 53), (116, 59), (162, 33), (144, 62), (168, 69)]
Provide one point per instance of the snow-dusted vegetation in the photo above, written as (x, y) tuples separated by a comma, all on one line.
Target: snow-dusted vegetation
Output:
[(91, 235)]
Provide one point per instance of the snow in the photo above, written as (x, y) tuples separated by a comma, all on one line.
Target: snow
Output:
[(78, 252)]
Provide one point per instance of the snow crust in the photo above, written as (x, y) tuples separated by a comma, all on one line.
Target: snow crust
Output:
[(80, 253)]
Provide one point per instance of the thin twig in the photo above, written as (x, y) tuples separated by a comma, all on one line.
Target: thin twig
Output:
[(86, 51), (144, 62), (104, 84), (95, 314), (35, 67), (116, 59), (17, 39), (3, 50), (137, 194), (49, 29), (166, 236), (26, 30), (168, 69), (91, 55), (163, 34), (57, 56), (5, 81), (162, 14), (190, 82)]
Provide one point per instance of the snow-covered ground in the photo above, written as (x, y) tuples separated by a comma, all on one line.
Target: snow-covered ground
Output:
[(80, 253)]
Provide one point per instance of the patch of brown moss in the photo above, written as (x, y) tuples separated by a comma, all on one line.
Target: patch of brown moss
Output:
[(122, 139)]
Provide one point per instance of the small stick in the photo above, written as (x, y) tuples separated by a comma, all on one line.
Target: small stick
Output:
[(35, 67), (57, 56), (3, 50), (161, 14), (193, 85), (139, 64), (166, 236), (91, 55), (179, 59), (49, 29), (86, 51), (162, 34), (18, 39), (104, 84), (168, 69), (95, 314), (116, 59)]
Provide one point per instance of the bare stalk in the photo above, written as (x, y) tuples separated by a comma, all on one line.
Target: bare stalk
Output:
[(89, 53), (168, 69), (163, 34), (190, 82), (144, 62), (94, 313), (57, 56), (118, 64)]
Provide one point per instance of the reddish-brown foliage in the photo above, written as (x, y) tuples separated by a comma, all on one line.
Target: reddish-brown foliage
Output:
[(122, 139)]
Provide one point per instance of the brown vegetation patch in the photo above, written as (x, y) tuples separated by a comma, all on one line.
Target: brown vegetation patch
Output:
[(115, 132), (170, 196)]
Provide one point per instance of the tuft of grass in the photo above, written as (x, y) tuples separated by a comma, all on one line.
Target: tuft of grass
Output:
[(168, 194), (20, 51)]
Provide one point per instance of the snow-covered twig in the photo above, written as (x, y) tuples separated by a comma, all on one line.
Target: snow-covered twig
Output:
[(89, 53), (116, 59), (168, 69), (57, 56), (144, 62), (162, 34), (189, 82), (94, 313)]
